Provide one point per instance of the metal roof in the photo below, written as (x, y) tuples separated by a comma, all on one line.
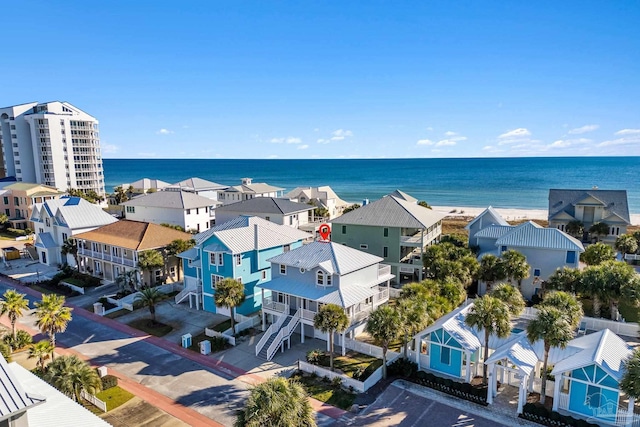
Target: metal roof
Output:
[(493, 231), (391, 212), (199, 184), (266, 205), (455, 325), (14, 399), (73, 212), (404, 196), (491, 215), (255, 188), (614, 202), (146, 184), (45, 241), (190, 254), (239, 234), (331, 257), (58, 409), (532, 235), (171, 200), (322, 193)]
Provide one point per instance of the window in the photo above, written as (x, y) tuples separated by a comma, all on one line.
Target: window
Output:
[(64, 237), (197, 211), (268, 218), (386, 232), (6, 200), (571, 257), (344, 229), (215, 279), (320, 278), (239, 279), (503, 248), (212, 259), (385, 251), (158, 273), (286, 248), (291, 220), (220, 258), (172, 271), (445, 355), (188, 211), (264, 274), (7, 212), (131, 209), (593, 396), (328, 282), (238, 259), (363, 246), (283, 269), (536, 272)]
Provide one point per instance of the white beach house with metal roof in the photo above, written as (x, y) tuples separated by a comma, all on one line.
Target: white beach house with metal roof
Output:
[(392, 228), (248, 190), (199, 186), (319, 273), (186, 209), (322, 196), (57, 220), (546, 249)]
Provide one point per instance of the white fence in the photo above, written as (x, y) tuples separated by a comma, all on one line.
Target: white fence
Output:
[(537, 386), (211, 333), (371, 350), (595, 324), (94, 401), (127, 301), (73, 287), (347, 382)]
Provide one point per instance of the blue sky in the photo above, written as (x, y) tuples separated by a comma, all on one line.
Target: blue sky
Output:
[(329, 79)]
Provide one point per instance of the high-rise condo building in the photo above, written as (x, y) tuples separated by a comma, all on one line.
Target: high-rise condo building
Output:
[(53, 143)]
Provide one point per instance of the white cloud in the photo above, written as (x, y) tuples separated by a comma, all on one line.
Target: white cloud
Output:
[(303, 147), (445, 142), (316, 129), (164, 131), (628, 132), (147, 154), (342, 132), (429, 128), (583, 129), (449, 133), (563, 143), (628, 140), (516, 133), (425, 142), (452, 139), (109, 148), (272, 156), (323, 141), (336, 135), (289, 140)]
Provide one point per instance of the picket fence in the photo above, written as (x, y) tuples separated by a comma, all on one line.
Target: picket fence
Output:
[(595, 324), (94, 401), (211, 333), (369, 349)]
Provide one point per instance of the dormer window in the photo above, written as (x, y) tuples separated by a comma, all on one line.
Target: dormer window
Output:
[(323, 279)]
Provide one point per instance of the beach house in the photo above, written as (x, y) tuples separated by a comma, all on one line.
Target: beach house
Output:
[(57, 220), (144, 186), (319, 273), (188, 210), (322, 197), (278, 210), (201, 187), (238, 249), (589, 207), (545, 249), (393, 228), (19, 198), (112, 250), (248, 190)]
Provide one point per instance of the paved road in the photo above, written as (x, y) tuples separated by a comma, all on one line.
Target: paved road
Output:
[(400, 407)]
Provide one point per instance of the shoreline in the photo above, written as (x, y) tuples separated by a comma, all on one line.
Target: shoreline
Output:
[(510, 214)]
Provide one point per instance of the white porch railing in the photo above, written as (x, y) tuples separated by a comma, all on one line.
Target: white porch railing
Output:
[(283, 333), (307, 314), (94, 400), (631, 257), (383, 270), (563, 401), (272, 305), (270, 331)]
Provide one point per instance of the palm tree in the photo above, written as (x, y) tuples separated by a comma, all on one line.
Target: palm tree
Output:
[(70, 247), (41, 351), (621, 281), (565, 279), (128, 280), (599, 229), (150, 260), (230, 294), (626, 244), (491, 315), (277, 402), (13, 305), (515, 266), (491, 269), (71, 375), (178, 246), (330, 319), (630, 383), (510, 296), (567, 304), (53, 316), (384, 327), (552, 327), (119, 195), (149, 297), (414, 317), (597, 254), (575, 228)]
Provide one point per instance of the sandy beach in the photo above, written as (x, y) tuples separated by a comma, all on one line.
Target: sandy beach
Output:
[(507, 213)]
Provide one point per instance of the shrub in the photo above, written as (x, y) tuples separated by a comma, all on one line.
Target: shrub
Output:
[(109, 381), (17, 231), (23, 339), (359, 373), (336, 382), (5, 350), (218, 344), (403, 367), (314, 356)]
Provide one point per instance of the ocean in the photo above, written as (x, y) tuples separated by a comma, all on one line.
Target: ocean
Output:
[(473, 182)]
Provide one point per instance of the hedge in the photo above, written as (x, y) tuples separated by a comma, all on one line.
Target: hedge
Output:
[(109, 381), (539, 414)]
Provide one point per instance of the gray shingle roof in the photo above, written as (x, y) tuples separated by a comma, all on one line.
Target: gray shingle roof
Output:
[(266, 205), (74, 212), (615, 201), (239, 234), (14, 399), (171, 200), (532, 235), (332, 257), (391, 212)]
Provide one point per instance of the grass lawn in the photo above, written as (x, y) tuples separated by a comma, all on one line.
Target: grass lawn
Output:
[(158, 329), (325, 392), (114, 397), (353, 362), (117, 313), (41, 289), (221, 327), (76, 282), (394, 346)]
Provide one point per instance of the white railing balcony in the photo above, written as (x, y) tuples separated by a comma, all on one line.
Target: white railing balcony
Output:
[(307, 315), (384, 270), (279, 307), (381, 297)]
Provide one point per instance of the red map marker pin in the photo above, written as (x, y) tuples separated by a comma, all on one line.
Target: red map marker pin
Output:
[(324, 231)]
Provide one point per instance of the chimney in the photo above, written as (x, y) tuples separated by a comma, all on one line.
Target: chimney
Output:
[(246, 181)]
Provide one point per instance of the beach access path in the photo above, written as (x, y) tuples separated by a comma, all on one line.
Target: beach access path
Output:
[(199, 390)]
